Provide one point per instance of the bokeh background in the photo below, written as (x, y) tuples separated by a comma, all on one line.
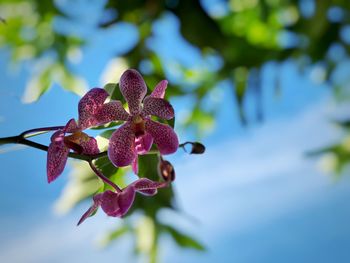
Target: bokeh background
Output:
[(263, 84)]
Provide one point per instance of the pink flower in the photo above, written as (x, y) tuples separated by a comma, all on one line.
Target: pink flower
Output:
[(138, 133), (117, 204), (92, 111)]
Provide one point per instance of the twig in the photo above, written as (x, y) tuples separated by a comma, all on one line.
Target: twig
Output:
[(20, 140)]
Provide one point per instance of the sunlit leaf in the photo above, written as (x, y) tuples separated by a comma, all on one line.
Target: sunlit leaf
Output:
[(114, 235), (182, 239)]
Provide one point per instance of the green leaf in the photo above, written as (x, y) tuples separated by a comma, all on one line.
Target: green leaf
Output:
[(344, 123), (171, 122), (114, 91), (107, 134), (115, 174), (37, 86), (82, 184), (112, 236), (182, 239), (108, 125)]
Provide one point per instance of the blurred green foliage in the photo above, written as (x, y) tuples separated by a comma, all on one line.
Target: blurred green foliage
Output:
[(243, 35)]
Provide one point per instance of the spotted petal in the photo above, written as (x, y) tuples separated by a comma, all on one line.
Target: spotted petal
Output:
[(134, 89), (57, 155), (158, 107), (143, 143), (90, 146), (112, 111), (159, 90), (92, 209), (81, 143), (71, 126), (147, 187), (163, 135), (89, 106), (121, 149), (117, 204)]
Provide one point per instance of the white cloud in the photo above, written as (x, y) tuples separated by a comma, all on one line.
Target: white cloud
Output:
[(259, 176)]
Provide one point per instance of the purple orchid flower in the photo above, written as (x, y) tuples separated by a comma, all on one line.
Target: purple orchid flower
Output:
[(137, 134), (92, 111), (117, 204)]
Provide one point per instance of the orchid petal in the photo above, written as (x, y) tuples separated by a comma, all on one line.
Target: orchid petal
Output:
[(90, 146), (134, 89), (71, 126), (89, 106), (57, 155), (135, 166), (143, 143), (112, 111), (159, 90), (117, 204), (82, 143), (109, 203), (126, 199), (57, 136), (91, 210), (158, 107), (147, 187), (121, 149), (163, 135)]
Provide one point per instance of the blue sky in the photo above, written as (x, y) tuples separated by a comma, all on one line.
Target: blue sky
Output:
[(253, 197)]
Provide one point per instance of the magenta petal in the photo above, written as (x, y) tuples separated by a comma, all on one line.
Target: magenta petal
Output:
[(158, 107), (134, 89), (57, 155), (147, 187), (126, 198), (57, 136), (89, 105), (112, 111), (135, 166), (143, 143), (163, 135), (109, 203), (71, 126), (121, 149), (117, 204), (90, 146), (159, 90), (91, 210)]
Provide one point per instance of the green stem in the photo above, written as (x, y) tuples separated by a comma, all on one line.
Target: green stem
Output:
[(104, 178)]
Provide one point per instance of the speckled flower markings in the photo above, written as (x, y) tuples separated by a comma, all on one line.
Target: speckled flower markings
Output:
[(117, 204), (61, 144), (136, 136)]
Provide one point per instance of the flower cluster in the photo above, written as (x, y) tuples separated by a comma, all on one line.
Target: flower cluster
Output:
[(134, 137)]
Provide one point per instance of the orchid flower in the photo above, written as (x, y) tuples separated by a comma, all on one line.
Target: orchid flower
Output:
[(117, 204), (92, 111), (137, 134)]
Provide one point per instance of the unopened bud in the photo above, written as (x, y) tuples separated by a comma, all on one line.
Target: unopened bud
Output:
[(166, 170), (196, 147)]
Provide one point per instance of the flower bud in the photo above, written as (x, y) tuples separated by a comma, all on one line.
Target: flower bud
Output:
[(196, 147), (166, 170)]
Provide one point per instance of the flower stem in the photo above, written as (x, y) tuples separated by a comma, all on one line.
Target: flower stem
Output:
[(22, 140), (104, 178), (39, 131)]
